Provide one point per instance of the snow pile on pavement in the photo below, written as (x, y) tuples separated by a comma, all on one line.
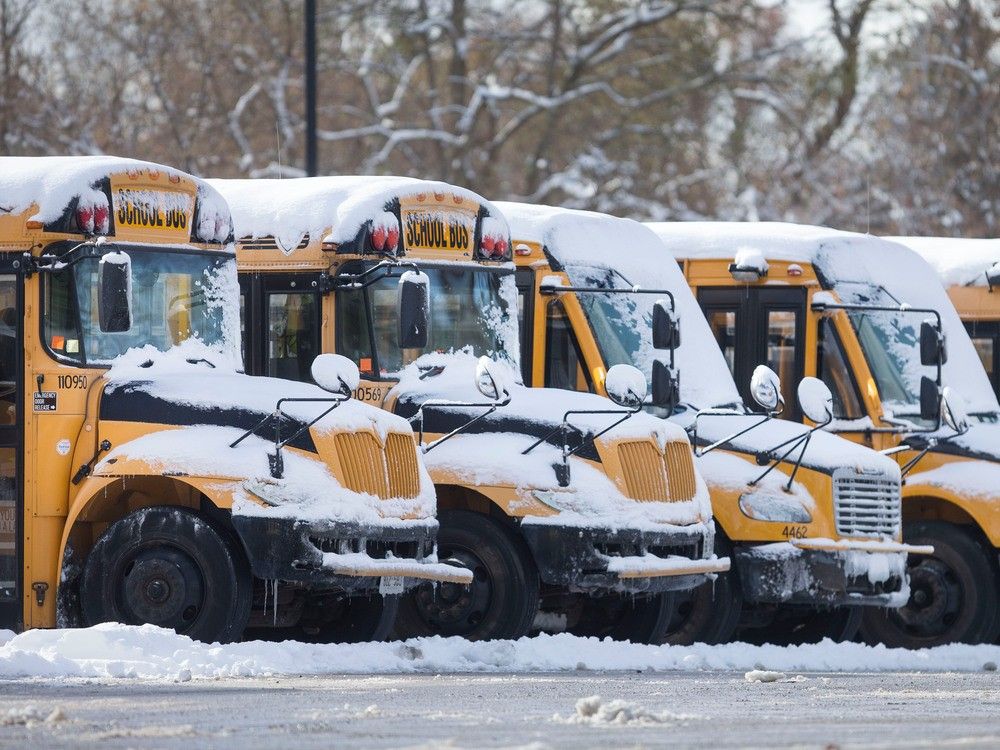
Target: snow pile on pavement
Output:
[(595, 711), (112, 650)]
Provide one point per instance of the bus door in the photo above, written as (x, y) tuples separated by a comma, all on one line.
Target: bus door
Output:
[(11, 445), (525, 280), (985, 335), (282, 320), (760, 325)]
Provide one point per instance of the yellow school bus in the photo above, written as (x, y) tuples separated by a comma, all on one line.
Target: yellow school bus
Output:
[(970, 272), (589, 287), (870, 318), (572, 506), (145, 479)]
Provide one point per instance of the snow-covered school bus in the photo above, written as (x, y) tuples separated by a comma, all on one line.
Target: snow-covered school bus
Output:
[(593, 291), (574, 512), (970, 272), (144, 479), (870, 318)]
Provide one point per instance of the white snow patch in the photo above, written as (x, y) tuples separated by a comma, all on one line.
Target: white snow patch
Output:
[(112, 650), (595, 711), (957, 261)]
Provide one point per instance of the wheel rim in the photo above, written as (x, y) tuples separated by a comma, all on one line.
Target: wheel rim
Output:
[(936, 597), (452, 608), (161, 586)]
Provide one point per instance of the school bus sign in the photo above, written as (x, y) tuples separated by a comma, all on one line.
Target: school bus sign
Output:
[(438, 222), (142, 209)]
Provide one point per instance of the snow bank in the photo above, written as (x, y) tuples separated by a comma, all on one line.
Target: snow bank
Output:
[(958, 262), (291, 209), (148, 652), (51, 182)]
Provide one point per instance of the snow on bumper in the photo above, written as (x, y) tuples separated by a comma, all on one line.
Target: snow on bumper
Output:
[(362, 565), (827, 571), (649, 558), (347, 555)]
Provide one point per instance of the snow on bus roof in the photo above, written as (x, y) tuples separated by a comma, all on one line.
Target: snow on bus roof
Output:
[(290, 209), (51, 182), (957, 261), (595, 240), (850, 263)]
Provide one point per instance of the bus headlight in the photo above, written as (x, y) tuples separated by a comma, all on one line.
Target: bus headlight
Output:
[(768, 506)]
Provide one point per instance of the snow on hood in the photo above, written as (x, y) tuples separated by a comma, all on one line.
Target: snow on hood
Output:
[(589, 244), (291, 209), (199, 392), (958, 262), (51, 182), (147, 652), (825, 453), (495, 456), (853, 265)]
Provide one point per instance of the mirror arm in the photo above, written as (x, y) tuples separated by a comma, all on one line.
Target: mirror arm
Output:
[(54, 263), (566, 424), (795, 442), (419, 417), (348, 281), (912, 463), (699, 452), (277, 464), (551, 289)]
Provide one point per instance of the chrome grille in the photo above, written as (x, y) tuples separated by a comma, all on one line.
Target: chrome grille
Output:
[(866, 504)]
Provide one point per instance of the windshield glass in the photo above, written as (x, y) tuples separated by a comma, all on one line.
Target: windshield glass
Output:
[(471, 308), (622, 325), (890, 341), (176, 296)]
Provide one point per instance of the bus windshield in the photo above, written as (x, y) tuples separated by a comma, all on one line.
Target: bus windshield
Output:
[(890, 341), (176, 296), (471, 308)]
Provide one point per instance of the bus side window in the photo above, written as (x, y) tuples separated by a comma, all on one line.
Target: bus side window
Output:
[(836, 373), (782, 343), (293, 334), (563, 360), (985, 337), (525, 320), (723, 325)]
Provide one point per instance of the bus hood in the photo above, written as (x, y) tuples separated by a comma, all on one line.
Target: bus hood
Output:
[(197, 408), (490, 453), (825, 452)]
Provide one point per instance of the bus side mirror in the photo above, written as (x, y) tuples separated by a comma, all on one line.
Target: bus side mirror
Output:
[(626, 386), (930, 400), (666, 328), (414, 310), (114, 301), (932, 347), (666, 386), (765, 388)]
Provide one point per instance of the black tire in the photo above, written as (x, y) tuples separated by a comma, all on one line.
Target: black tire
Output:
[(710, 612), (796, 625), (168, 566), (357, 619), (624, 617), (953, 593), (502, 600)]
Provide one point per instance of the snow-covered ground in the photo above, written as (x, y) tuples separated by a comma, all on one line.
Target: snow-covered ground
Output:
[(151, 653)]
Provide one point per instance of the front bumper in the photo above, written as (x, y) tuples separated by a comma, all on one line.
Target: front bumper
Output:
[(350, 556), (624, 560), (826, 571)]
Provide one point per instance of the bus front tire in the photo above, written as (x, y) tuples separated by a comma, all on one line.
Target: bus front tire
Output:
[(168, 566), (501, 601), (953, 593), (626, 617)]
